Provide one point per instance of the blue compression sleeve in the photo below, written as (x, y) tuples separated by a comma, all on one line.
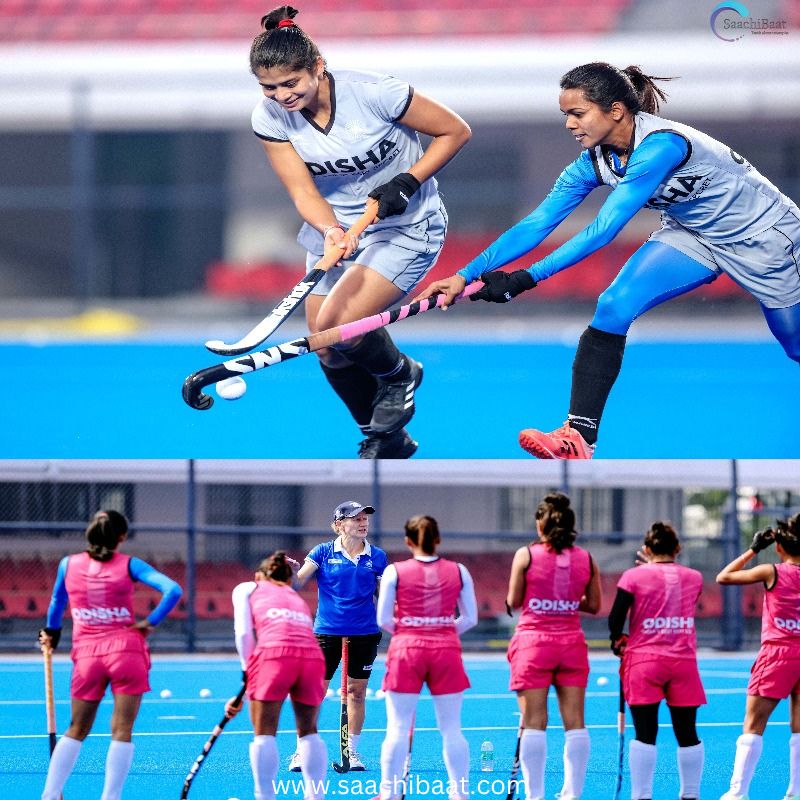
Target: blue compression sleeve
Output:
[(572, 186), (58, 602), (142, 571), (651, 162)]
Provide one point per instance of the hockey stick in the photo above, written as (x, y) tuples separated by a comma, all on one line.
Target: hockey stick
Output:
[(278, 315), (344, 727), (621, 733), (512, 778), (50, 698), (187, 783), (194, 384)]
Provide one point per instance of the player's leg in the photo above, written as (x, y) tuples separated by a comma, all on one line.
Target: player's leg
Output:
[(66, 751), (749, 745), (455, 749), (264, 757), (691, 752), (120, 750), (785, 326), (656, 272), (571, 700), (642, 750), (793, 792), (363, 652), (311, 748), (400, 710), (533, 744)]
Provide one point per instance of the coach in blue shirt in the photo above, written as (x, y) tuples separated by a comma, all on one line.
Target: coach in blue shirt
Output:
[(348, 571)]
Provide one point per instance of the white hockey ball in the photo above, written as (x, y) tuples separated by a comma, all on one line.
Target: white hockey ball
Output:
[(231, 388)]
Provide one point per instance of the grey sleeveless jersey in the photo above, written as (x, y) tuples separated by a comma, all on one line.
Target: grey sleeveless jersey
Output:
[(714, 192), (362, 147)]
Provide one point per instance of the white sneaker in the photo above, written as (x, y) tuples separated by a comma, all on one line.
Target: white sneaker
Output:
[(732, 796), (294, 762), (356, 764)]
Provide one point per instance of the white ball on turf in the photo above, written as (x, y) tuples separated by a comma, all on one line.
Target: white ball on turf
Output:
[(370, 692), (602, 681), (330, 693), (166, 694), (380, 693), (205, 693), (231, 388)]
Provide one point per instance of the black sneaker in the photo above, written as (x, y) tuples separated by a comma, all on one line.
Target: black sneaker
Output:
[(393, 445), (393, 406)]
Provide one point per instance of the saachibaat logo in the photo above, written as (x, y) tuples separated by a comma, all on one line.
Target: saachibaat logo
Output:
[(723, 29)]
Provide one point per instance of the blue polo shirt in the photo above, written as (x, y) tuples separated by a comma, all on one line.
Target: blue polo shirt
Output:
[(347, 588)]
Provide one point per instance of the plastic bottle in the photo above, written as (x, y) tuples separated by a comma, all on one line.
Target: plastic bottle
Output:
[(487, 756)]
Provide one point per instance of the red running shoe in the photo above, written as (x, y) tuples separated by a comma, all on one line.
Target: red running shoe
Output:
[(564, 443)]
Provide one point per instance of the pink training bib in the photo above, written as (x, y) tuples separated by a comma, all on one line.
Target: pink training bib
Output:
[(662, 616), (282, 618), (780, 616)]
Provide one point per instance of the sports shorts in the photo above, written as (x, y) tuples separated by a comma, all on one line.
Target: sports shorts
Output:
[(403, 255), (123, 662), (647, 678), (361, 653), (538, 662), (301, 677), (409, 666), (775, 672), (766, 265)]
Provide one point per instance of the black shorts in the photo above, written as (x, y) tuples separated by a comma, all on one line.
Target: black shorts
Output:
[(361, 653)]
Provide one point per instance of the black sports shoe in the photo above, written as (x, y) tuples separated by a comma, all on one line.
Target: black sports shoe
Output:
[(393, 445), (393, 406)]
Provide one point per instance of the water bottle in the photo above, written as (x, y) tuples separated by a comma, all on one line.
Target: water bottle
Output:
[(487, 756)]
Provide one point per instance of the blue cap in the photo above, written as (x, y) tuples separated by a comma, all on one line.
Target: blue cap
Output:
[(350, 508)]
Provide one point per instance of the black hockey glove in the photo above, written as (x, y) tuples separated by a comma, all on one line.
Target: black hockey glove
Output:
[(500, 287), (53, 633), (762, 539), (393, 196)]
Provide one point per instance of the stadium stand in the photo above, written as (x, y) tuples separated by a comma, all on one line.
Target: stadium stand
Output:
[(219, 20)]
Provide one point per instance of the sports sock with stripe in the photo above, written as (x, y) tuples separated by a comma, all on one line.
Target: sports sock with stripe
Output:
[(597, 363), (118, 764), (378, 355), (642, 762), (313, 763), (532, 759), (356, 388), (748, 751), (264, 763), (62, 762), (577, 746), (690, 769)]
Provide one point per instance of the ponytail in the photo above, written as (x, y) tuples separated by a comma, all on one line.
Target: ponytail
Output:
[(557, 521), (283, 43), (423, 531), (276, 567), (104, 533), (604, 85), (662, 539)]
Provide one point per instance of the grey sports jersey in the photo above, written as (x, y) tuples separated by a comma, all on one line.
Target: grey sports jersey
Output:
[(714, 192), (362, 147)]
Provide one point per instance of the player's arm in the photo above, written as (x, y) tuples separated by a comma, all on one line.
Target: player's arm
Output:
[(593, 597), (387, 595), (304, 574), (735, 572), (516, 581), (50, 635), (572, 186), (310, 204), (243, 624), (650, 164), (171, 592), (623, 602), (467, 603)]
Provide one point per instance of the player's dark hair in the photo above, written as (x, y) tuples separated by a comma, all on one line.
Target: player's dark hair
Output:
[(558, 521), (104, 533), (787, 534), (276, 567), (661, 539), (287, 46), (423, 531), (604, 84)]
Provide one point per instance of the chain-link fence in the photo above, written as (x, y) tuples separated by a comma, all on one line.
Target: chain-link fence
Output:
[(208, 525)]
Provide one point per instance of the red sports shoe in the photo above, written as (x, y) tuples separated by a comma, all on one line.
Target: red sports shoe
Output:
[(566, 443)]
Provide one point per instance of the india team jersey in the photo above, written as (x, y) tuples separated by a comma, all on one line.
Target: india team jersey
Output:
[(713, 192), (282, 619), (362, 147), (780, 616), (662, 615)]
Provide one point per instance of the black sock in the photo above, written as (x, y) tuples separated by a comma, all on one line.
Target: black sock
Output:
[(378, 355), (596, 366), (357, 388)]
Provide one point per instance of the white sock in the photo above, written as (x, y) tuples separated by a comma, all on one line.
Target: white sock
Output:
[(118, 764), (794, 764), (532, 758), (313, 763), (264, 763), (62, 762), (690, 769), (642, 763), (576, 756), (354, 737), (400, 707), (748, 751), (454, 746)]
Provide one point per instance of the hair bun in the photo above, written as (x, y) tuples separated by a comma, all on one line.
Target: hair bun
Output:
[(559, 501), (270, 21)]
